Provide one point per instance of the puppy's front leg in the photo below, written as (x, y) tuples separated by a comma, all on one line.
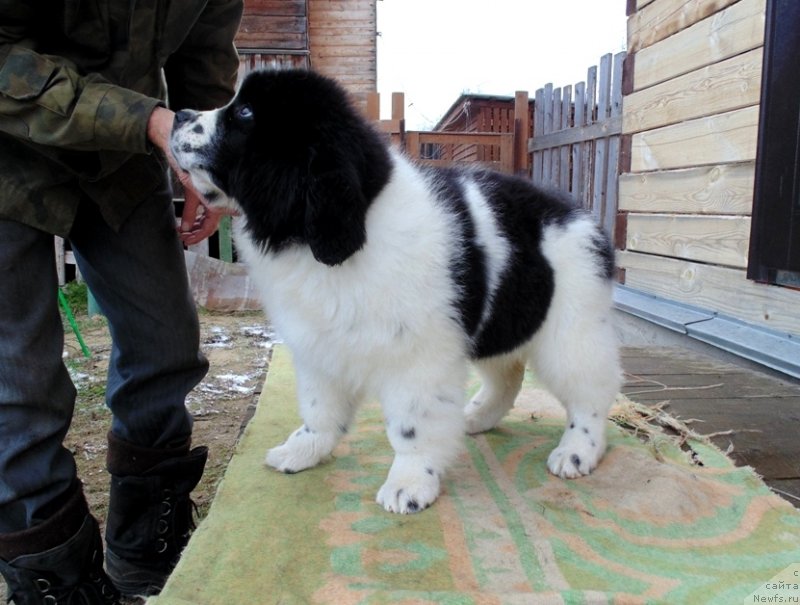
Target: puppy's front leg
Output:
[(427, 433), (327, 410)]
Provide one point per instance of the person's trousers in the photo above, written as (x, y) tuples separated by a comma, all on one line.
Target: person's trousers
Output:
[(138, 278)]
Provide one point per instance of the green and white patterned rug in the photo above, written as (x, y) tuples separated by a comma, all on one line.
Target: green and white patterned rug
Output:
[(649, 526)]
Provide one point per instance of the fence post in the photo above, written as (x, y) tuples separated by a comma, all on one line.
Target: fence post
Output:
[(612, 178), (601, 146), (374, 106), (563, 152), (521, 130), (412, 144), (399, 114), (507, 153), (577, 148), (538, 129)]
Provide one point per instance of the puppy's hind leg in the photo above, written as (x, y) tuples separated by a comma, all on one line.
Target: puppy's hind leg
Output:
[(501, 380), (426, 430), (579, 364), (327, 410)]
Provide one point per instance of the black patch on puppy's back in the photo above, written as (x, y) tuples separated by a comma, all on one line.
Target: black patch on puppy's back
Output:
[(468, 267), (522, 298)]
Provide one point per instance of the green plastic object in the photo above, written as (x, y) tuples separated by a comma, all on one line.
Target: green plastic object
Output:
[(71, 319)]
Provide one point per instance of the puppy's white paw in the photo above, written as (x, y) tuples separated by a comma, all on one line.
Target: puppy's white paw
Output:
[(409, 488), (481, 417), (578, 453), (303, 449)]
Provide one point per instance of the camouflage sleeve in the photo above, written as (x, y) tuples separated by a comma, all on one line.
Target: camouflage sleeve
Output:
[(44, 100), (202, 73)]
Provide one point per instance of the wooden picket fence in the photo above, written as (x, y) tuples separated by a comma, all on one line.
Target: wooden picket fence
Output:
[(576, 141), (575, 146)]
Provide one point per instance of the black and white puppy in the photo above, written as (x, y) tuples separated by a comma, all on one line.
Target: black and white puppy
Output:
[(385, 278)]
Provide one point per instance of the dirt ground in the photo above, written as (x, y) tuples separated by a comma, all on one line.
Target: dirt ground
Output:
[(238, 347)]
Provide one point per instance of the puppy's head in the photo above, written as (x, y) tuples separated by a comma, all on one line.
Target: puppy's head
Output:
[(293, 156)]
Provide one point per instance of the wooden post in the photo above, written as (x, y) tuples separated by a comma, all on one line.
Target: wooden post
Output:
[(538, 129), (507, 153), (399, 117), (374, 106), (412, 144), (577, 148), (398, 106), (522, 128), (612, 174), (547, 156), (60, 264), (564, 160), (601, 145), (588, 148), (555, 155)]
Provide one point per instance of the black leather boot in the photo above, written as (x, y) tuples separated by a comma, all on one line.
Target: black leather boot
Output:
[(58, 562), (150, 512)]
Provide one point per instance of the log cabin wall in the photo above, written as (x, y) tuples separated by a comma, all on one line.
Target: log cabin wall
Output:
[(690, 120), (273, 35), (334, 37), (342, 38)]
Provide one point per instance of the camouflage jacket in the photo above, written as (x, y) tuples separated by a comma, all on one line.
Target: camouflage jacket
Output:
[(78, 81)]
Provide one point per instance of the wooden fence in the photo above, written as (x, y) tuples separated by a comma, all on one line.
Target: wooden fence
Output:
[(576, 140), (503, 151), (575, 146)]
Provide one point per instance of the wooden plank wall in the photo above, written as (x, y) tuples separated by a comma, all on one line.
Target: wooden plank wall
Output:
[(690, 117), (275, 25), (335, 37), (273, 35), (342, 35), (576, 138)]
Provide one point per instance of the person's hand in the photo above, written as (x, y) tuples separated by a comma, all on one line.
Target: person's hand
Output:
[(198, 221)]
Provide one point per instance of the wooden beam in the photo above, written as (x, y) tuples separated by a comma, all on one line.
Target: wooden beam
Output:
[(662, 19), (538, 130), (577, 148), (398, 106), (721, 240), (463, 138), (373, 107), (570, 136), (727, 137), (730, 32), (721, 289), (614, 147), (721, 189), (522, 126), (563, 152), (724, 86)]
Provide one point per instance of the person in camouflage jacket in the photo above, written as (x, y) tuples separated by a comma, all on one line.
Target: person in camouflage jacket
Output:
[(87, 92)]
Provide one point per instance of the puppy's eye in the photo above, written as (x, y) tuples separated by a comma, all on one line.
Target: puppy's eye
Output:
[(244, 112)]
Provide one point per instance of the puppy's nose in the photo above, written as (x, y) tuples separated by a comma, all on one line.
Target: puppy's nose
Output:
[(184, 116)]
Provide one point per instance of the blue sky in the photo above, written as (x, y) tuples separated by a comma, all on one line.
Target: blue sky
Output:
[(434, 50)]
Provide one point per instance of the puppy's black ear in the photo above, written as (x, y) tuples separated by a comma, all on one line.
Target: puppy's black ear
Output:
[(335, 217)]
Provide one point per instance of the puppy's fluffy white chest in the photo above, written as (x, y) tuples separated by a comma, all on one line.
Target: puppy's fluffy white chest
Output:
[(382, 303)]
